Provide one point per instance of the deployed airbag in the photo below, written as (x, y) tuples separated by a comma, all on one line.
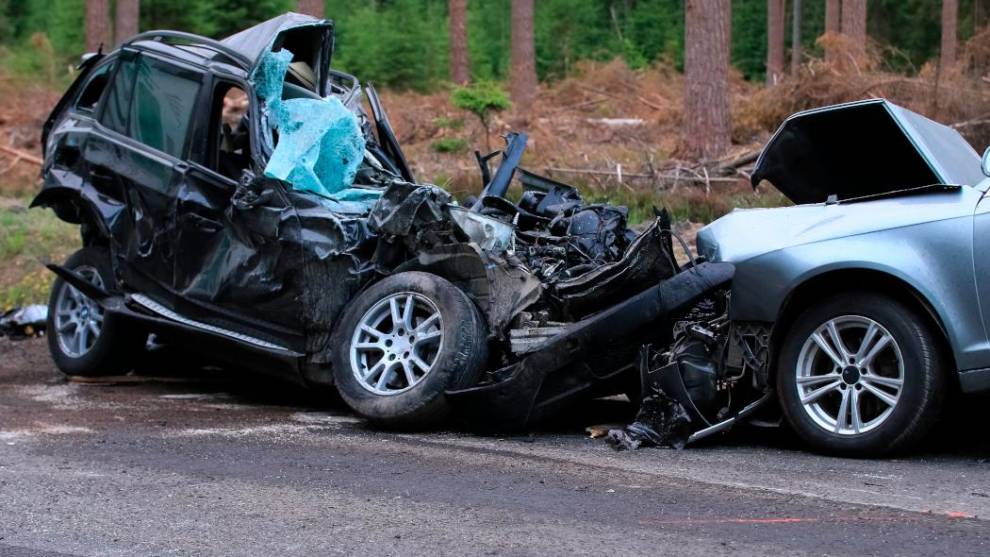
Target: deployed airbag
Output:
[(320, 145)]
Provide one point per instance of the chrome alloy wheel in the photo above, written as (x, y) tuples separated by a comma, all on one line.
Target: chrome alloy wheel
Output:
[(396, 343), (78, 320), (850, 375)]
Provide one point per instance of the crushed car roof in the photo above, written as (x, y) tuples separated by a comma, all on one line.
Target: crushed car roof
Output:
[(254, 42), (863, 148)]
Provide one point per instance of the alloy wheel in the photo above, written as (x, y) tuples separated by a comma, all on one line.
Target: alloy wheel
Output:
[(78, 319), (850, 375), (396, 343)]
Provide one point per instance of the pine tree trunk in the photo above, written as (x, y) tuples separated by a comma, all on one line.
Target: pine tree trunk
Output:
[(126, 20), (833, 25), (950, 22), (523, 73), (315, 8), (796, 46), (833, 16), (97, 24), (707, 125), (460, 68), (854, 24), (775, 41)]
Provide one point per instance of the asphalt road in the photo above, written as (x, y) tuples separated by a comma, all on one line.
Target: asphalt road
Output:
[(180, 461)]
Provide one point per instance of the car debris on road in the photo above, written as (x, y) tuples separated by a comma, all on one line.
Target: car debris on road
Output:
[(24, 322)]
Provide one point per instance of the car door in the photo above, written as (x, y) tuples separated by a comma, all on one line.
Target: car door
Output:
[(136, 155), (238, 256)]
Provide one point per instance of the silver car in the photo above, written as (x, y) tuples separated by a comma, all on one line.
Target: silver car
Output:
[(874, 289)]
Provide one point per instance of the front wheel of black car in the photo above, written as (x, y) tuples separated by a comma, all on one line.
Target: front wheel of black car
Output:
[(402, 343), (861, 375), (84, 340)]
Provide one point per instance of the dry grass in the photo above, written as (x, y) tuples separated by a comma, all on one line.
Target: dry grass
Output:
[(959, 97), (29, 239)]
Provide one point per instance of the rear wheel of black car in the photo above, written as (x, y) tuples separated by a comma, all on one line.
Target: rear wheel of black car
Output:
[(404, 342), (82, 338), (860, 374)]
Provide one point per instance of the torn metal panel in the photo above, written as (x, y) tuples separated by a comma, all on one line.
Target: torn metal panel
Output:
[(518, 395), (648, 259), (406, 210), (311, 38), (239, 252), (502, 291), (337, 261)]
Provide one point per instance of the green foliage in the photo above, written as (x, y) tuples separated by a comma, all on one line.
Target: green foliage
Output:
[(28, 237), (404, 43), (749, 50), (481, 99), (220, 18), (445, 122), (450, 145)]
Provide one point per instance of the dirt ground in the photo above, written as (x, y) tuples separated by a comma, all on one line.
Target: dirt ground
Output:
[(179, 460)]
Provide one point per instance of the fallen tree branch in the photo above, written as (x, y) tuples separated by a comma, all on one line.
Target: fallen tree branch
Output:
[(677, 176), (21, 155)]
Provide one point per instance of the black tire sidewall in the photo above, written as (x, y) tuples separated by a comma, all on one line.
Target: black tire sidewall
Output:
[(112, 351), (920, 397), (459, 363)]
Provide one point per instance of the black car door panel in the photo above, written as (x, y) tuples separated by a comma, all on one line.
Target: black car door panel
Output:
[(237, 248)]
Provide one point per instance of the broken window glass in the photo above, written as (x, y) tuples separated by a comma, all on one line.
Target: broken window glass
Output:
[(94, 88)]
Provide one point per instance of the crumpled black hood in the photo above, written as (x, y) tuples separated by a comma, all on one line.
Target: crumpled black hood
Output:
[(863, 148)]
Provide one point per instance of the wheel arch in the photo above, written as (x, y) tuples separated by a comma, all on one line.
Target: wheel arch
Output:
[(72, 207), (499, 290), (859, 280)]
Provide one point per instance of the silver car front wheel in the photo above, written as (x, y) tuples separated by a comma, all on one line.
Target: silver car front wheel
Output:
[(850, 375), (396, 343), (861, 373)]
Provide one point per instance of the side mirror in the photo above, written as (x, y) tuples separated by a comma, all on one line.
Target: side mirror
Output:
[(985, 165)]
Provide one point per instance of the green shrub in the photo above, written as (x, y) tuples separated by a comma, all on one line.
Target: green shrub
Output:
[(482, 99), (450, 145), (448, 123)]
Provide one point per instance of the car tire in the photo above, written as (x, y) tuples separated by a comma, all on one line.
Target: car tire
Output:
[(888, 392), (388, 374), (82, 339)]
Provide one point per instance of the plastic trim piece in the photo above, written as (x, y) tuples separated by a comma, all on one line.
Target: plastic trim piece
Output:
[(167, 313)]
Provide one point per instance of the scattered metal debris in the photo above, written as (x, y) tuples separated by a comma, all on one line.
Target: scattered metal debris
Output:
[(25, 322)]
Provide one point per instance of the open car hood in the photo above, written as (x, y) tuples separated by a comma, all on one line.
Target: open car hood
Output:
[(310, 39), (863, 148)]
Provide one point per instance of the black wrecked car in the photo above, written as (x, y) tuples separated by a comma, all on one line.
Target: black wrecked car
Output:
[(242, 198)]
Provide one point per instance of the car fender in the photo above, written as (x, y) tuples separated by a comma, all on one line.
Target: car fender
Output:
[(933, 259), (499, 290)]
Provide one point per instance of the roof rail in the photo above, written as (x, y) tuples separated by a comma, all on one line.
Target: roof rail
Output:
[(190, 39)]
